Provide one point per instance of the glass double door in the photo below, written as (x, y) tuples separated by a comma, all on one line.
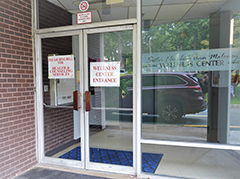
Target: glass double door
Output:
[(106, 90), (87, 81)]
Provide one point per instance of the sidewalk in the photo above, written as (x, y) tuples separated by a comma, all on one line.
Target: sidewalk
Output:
[(44, 172), (234, 105)]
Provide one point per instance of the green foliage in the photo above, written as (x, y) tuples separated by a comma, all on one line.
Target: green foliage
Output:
[(186, 35), (236, 38), (118, 46), (236, 99), (205, 43), (125, 84), (180, 36)]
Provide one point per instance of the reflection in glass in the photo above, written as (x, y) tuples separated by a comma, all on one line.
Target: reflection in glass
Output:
[(190, 162), (194, 99), (110, 120)]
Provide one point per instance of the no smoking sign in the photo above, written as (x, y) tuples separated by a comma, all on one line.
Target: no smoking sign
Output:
[(83, 6)]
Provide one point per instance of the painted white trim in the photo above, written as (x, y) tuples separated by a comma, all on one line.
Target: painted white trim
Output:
[(82, 109), (59, 34), (62, 162), (135, 99), (191, 144), (139, 90), (86, 26), (111, 168), (85, 87), (109, 29), (34, 45), (39, 102)]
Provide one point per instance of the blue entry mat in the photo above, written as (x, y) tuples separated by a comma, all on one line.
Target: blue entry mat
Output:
[(150, 161)]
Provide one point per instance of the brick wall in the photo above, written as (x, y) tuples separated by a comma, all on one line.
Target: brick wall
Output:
[(17, 121)]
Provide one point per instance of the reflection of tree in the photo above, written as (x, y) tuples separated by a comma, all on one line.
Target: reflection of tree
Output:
[(118, 47), (181, 36), (236, 37)]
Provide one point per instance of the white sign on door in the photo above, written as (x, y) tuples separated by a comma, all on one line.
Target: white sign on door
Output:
[(105, 74), (61, 67)]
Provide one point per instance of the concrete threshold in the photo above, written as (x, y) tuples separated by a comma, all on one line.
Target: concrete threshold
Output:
[(40, 171)]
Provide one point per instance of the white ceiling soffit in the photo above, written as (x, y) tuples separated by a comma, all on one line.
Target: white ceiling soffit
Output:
[(116, 14), (167, 2), (203, 10), (173, 12), (155, 11), (151, 2)]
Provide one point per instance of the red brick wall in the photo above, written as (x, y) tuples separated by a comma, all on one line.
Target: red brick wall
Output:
[(17, 121)]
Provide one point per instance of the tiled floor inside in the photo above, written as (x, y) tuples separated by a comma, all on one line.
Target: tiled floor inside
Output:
[(183, 162)]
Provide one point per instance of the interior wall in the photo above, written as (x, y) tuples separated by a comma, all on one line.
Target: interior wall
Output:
[(52, 16)]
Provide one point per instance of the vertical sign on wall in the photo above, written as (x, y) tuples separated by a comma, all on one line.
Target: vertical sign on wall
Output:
[(105, 74), (61, 67)]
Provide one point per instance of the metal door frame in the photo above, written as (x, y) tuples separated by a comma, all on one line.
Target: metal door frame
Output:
[(82, 33), (85, 122)]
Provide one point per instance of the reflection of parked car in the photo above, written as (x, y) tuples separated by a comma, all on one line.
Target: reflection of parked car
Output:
[(123, 71), (169, 95)]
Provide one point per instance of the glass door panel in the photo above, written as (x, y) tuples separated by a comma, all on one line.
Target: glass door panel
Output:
[(60, 66), (109, 70)]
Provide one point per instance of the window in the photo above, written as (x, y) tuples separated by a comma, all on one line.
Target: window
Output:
[(173, 80)]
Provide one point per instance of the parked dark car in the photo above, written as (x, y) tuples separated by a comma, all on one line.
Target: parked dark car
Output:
[(166, 95)]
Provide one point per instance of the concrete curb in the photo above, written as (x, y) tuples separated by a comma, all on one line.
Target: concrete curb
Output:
[(234, 105)]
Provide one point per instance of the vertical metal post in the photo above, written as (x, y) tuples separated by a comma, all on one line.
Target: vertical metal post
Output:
[(139, 90), (82, 109)]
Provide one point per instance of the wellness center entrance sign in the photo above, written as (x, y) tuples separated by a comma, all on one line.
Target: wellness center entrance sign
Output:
[(105, 74), (195, 60), (61, 67)]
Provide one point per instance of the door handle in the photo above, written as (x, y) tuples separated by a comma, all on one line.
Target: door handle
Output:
[(75, 101), (88, 101)]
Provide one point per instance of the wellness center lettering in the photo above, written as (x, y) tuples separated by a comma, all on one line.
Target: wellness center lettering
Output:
[(104, 73), (195, 60)]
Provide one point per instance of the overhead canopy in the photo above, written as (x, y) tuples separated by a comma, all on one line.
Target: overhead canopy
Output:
[(154, 11)]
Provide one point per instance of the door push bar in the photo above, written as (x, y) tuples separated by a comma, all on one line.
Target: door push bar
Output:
[(87, 101), (75, 101)]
